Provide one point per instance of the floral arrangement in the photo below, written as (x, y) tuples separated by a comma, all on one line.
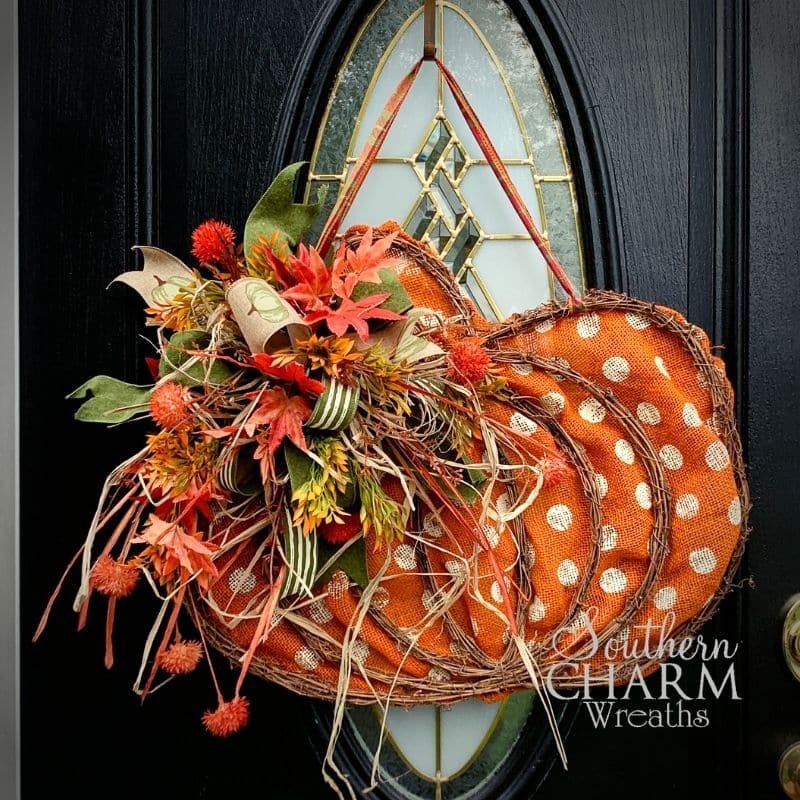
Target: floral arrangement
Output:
[(285, 392)]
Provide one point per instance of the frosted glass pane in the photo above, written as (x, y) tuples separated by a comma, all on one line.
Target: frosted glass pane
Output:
[(492, 208), (514, 51), (562, 229), (414, 732), (515, 274), (417, 112), (464, 729), (388, 193), (470, 62), (354, 80)]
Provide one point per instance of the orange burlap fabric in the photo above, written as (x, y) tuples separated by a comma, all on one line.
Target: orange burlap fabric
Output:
[(647, 527)]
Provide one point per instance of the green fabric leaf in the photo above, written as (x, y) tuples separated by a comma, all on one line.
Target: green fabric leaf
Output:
[(276, 210), (110, 400), (175, 356), (298, 465), (398, 299), (353, 561)]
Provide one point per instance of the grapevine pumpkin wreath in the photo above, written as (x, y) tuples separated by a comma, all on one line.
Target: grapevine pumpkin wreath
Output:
[(357, 487)]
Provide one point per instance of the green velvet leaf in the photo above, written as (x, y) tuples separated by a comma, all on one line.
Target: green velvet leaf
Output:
[(110, 400), (352, 561), (175, 356), (298, 465), (276, 210), (398, 299)]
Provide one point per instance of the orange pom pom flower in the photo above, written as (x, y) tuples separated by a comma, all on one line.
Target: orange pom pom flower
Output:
[(169, 406), (212, 242), (554, 470), (181, 657), (228, 717), (468, 361), (114, 578)]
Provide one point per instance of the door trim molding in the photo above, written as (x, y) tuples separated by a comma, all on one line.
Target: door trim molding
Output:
[(9, 411)]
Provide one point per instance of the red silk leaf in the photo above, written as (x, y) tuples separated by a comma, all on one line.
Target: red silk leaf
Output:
[(291, 373)]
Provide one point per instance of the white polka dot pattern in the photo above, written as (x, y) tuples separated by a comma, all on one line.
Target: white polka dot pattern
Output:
[(671, 457), (608, 537), (702, 561), (717, 456), (553, 403), (359, 652), (644, 497), (320, 613), (523, 425), (687, 506), (567, 573), (537, 610), (624, 451), (306, 658), (492, 535), (735, 511), (592, 410), (613, 581), (380, 598), (559, 517), (664, 599), (637, 321), (661, 367), (458, 569), (690, 416), (588, 325), (405, 557), (431, 526), (616, 369), (648, 413), (241, 581), (521, 368)]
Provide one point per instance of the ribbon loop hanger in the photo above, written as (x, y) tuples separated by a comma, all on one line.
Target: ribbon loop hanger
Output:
[(429, 31)]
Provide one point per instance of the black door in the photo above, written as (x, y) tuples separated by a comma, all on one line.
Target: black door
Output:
[(139, 120)]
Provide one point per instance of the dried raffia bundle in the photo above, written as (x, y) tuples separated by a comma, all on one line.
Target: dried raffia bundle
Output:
[(359, 488)]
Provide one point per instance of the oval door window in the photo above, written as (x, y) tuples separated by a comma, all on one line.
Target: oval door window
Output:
[(432, 178)]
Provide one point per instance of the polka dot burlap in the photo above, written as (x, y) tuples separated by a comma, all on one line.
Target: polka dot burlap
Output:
[(646, 528)]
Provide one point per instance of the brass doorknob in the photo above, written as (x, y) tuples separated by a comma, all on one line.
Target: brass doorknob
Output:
[(791, 637), (789, 771)]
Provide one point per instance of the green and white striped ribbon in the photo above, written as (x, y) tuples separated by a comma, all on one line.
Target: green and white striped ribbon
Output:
[(335, 407), (238, 476), (300, 555)]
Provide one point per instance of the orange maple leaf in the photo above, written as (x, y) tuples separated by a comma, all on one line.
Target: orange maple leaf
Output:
[(284, 417), (367, 259), (174, 549), (353, 313)]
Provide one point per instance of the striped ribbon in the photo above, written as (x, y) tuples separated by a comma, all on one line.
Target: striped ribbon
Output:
[(300, 554), (367, 159), (377, 138), (335, 407)]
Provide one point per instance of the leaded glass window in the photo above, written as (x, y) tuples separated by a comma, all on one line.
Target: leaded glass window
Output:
[(432, 178)]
